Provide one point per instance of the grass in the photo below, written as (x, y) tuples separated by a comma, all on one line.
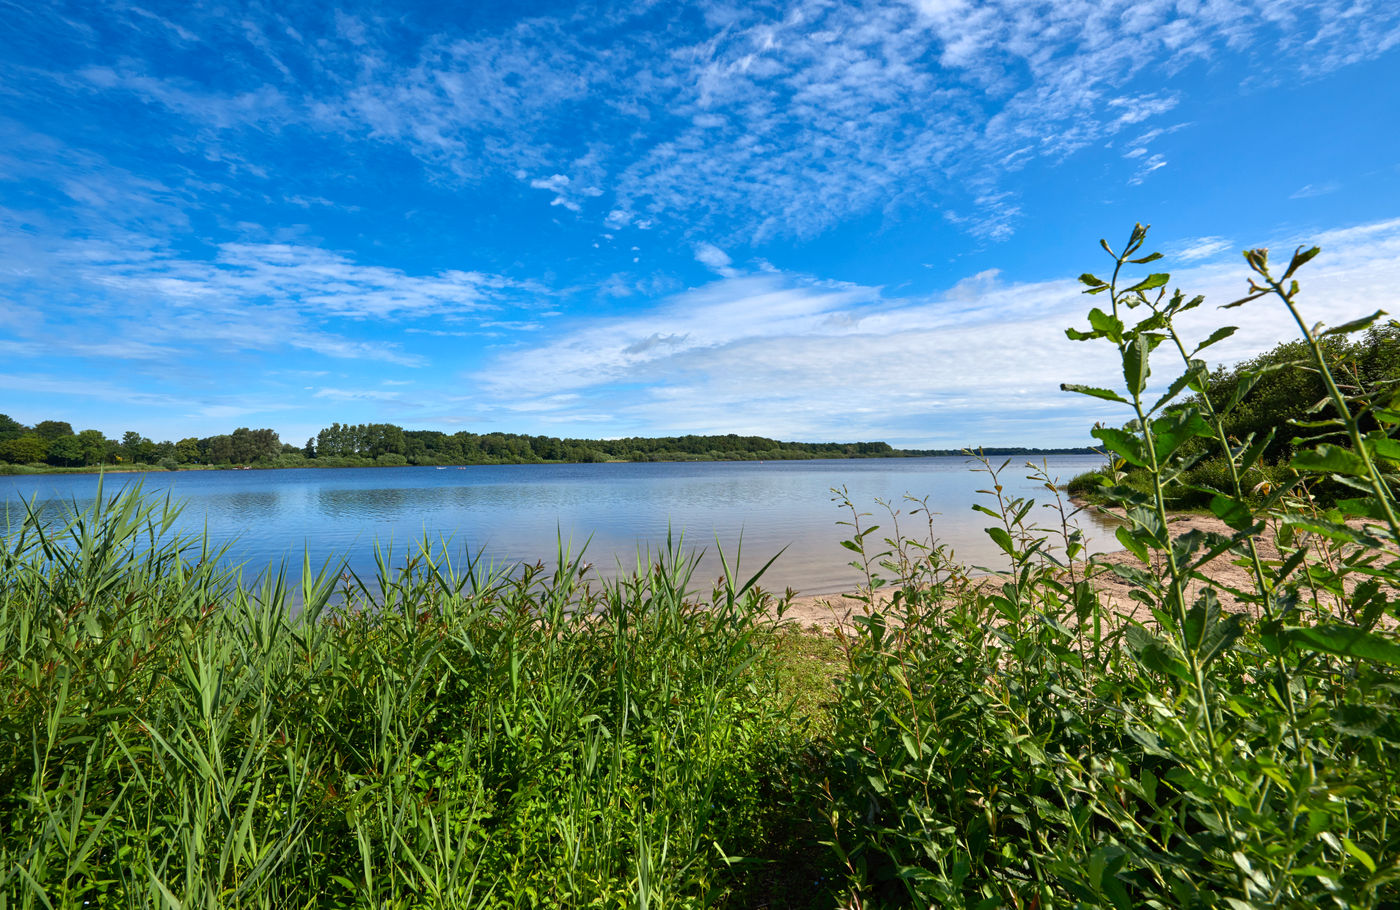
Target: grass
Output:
[(174, 734)]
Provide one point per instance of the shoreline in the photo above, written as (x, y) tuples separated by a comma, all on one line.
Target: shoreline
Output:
[(827, 613), (27, 470)]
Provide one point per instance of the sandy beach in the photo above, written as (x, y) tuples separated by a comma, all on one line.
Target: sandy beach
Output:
[(827, 612)]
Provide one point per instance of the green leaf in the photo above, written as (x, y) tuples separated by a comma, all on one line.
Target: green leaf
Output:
[(1105, 394), (1150, 257), (1170, 432), (1002, 539), (1329, 529), (1109, 326), (1355, 325), (1135, 369), (1131, 543), (1365, 507), (1232, 511), (1092, 281), (1378, 443), (1255, 450), (1329, 459), (1155, 280), (1300, 258), (1155, 654), (1345, 641), (1196, 370), (1121, 442), (1076, 335), (1219, 334)]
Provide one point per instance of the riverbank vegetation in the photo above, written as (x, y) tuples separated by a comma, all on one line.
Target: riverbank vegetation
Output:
[(441, 736), (1281, 400)]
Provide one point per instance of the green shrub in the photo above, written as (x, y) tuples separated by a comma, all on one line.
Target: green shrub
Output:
[(1016, 742)]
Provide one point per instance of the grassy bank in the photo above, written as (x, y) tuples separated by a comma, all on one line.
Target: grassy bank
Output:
[(438, 736)]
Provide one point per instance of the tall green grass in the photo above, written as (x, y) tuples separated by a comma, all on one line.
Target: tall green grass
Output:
[(435, 735)]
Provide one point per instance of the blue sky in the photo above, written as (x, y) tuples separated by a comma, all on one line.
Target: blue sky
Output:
[(806, 220)]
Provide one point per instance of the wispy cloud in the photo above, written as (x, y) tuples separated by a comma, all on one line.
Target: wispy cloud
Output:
[(755, 121), (790, 354), (245, 296), (715, 259), (1310, 190), (1198, 248)]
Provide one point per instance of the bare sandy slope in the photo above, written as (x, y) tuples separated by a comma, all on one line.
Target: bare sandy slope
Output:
[(826, 612)]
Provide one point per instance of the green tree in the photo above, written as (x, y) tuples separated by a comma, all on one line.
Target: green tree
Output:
[(53, 429), (10, 428), (94, 446), (28, 449), (219, 449), (65, 451), (187, 451), (131, 445)]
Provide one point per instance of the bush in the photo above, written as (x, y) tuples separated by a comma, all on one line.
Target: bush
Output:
[(1016, 742)]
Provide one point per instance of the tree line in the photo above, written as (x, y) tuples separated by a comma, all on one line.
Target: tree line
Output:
[(54, 443), (384, 443)]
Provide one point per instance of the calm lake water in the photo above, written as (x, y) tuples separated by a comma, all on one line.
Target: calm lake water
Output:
[(511, 513)]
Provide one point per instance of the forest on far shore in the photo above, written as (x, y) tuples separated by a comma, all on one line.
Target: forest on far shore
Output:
[(54, 444)]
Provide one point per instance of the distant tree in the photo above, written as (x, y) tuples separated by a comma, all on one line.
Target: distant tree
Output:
[(309, 450), (52, 429), (65, 451), (266, 445), (10, 428), (187, 451), (131, 445), (219, 449), (94, 446), (28, 449)]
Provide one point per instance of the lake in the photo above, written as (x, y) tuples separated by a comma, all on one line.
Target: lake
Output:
[(511, 513)]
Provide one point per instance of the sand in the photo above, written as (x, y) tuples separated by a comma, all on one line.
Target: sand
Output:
[(829, 612)]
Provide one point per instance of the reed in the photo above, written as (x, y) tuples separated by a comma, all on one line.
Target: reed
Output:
[(435, 735)]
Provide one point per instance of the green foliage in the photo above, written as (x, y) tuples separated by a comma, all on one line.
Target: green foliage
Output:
[(1280, 399), (1014, 742), (436, 735)]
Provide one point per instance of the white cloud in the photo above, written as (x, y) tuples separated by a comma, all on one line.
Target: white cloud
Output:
[(1153, 163), (1199, 248), (1311, 190), (714, 258), (793, 356), (243, 297), (758, 120), (336, 394)]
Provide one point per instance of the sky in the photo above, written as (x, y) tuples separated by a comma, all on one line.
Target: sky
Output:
[(808, 220)]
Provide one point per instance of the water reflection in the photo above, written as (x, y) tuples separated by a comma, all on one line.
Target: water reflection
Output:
[(512, 513)]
